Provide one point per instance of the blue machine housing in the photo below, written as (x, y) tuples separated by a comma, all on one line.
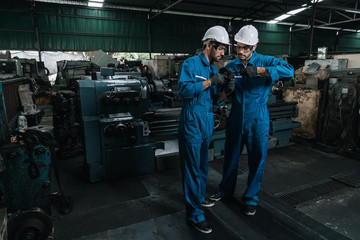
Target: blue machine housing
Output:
[(25, 183), (117, 139)]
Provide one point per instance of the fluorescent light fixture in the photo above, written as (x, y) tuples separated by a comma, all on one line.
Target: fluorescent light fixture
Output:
[(316, 1), (282, 17), (296, 11), (358, 31), (352, 11), (304, 5), (272, 21), (95, 4), (97, 1)]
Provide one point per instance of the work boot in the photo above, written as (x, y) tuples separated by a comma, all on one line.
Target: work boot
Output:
[(207, 203), (215, 197), (250, 210), (202, 226)]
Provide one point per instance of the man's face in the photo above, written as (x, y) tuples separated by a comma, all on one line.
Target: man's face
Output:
[(244, 52), (217, 52)]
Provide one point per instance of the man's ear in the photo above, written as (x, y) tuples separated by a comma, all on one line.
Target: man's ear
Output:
[(254, 47), (208, 45)]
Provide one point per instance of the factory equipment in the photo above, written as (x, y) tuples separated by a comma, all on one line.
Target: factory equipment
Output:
[(126, 119), (25, 160), (117, 139), (281, 122), (66, 122), (10, 67), (24, 170), (68, 72), (281, 116), (37, 71), (339, 125)]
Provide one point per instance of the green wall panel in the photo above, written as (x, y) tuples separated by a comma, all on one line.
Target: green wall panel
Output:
[(16, 20), (78, 28), (17, 40), (349, 42), (59, 42), (85, 25)]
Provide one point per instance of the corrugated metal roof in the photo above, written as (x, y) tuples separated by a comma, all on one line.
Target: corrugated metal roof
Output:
[(334, 14)]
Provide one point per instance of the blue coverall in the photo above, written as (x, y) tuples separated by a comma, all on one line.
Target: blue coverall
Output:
[(248, 123), (195, 130)]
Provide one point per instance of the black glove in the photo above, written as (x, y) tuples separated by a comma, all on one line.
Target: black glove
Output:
[(227, 73), (250, 72), (217, 79), (229, 86)]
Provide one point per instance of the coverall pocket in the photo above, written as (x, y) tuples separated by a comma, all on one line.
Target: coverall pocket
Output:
[(254, 86), (191, 127)]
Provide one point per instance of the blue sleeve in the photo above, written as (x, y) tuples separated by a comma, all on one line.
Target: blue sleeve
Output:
[(278, 68), (190, 86)]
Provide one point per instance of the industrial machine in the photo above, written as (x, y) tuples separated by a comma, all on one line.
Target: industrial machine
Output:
[(24, 172), (339, 125), (24, 165), (281, 116), (123, 121)]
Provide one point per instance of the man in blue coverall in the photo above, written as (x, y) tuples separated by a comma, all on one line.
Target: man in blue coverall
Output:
[(248, 122), (199, 86)]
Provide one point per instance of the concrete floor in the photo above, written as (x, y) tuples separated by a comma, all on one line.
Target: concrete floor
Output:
[(151, 206)]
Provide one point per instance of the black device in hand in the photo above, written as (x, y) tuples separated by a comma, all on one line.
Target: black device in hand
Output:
[(250, 72), (217, 79), (228, 74), (229, 82)]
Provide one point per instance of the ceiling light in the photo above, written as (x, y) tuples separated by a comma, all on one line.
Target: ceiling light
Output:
[(293, 12), (282, 17), (95, 4), (316, 1), (272, 21), (352, 11), (97, 1)]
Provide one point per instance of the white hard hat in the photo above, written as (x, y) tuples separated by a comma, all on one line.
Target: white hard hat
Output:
[(218, 34), (247, 35)]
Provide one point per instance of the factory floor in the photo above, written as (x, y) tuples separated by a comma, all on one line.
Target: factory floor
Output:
[(306, 194)]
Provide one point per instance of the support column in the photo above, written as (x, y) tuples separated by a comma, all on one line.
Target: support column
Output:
[(36, 28), (312, 30)]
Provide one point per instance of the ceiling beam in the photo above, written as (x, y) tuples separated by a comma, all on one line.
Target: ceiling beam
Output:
[(340, 22), (165, 9)]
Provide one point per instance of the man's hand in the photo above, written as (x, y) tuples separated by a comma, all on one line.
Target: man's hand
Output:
[(227, 72), (250, 72), (217, 80)]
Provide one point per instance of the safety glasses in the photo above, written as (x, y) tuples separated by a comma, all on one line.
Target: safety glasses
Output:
[(217, 47), (246, 48)]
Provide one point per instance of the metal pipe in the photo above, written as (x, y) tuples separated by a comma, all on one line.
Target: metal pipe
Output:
[(149, 34)]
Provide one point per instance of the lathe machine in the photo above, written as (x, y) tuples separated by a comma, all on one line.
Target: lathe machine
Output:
[(125, 119)]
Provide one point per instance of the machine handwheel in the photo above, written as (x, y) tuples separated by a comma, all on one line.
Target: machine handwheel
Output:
[(148, 72), (32, 224), (217, 121)]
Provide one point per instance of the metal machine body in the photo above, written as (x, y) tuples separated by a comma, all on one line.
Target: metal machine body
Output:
[(281, 123), (117, 139), (281, 116), (339, 126), (25, 177)]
